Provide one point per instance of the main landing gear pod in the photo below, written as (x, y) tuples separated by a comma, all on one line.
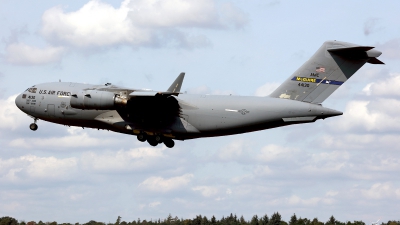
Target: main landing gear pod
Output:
[(154, 140)]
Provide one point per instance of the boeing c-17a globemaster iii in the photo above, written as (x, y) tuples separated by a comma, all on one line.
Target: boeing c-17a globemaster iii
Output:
[(165, 116)]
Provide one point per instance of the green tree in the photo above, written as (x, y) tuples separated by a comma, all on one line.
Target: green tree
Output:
[(315, 221), (8, 221), (242, 221), (275, 219), (358, 222), (254, 220), (293, 219), (197, 220), (331, 221), (263, 220), (213, 220), (92, 222), (204, 221), (118, 220), (303, 221)]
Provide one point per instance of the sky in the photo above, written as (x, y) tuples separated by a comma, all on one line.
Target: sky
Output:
[(345, 166)]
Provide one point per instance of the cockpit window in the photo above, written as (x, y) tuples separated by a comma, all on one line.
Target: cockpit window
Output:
[(32, 90)]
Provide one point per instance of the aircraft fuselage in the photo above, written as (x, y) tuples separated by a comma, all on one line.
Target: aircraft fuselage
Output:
[(160, 117), (200, 115)]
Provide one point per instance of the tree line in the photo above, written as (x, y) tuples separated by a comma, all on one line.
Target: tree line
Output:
[(232, 219)]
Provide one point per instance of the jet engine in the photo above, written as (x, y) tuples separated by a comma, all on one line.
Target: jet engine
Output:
[(98, 100)]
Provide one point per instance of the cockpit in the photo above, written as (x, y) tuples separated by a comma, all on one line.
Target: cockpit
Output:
[(31, 90)]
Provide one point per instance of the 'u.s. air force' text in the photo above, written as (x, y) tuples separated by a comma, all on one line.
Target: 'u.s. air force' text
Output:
[(51, 92)]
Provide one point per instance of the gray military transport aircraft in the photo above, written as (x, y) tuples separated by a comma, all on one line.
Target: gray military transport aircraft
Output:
[(162, 116)]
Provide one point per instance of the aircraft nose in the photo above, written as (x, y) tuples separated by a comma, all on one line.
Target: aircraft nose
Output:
[(18, 100)]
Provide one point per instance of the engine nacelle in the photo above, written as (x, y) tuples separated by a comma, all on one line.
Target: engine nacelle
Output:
[(93, 99)]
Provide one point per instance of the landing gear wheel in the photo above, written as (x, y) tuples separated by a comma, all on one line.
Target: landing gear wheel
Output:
[(33, 126), (142, 137), (169, 143), (158, 138), (152, 141)]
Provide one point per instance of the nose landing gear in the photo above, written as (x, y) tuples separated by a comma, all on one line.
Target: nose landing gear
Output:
[(33, 126)]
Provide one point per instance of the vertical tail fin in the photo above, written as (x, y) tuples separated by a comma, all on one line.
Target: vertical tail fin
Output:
[(332, 65)]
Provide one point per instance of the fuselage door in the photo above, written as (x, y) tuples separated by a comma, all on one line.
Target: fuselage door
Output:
[(50, 110)]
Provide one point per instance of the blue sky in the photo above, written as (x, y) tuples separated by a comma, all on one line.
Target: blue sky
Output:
[(345, 166)]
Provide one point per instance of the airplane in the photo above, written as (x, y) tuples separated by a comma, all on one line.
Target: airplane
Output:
[(164, 116)]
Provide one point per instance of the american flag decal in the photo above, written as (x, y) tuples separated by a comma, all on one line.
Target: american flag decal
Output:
[(320, 69)]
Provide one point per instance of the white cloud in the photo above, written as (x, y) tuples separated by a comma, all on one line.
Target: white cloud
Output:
[(384, 87), (138, 23), (296, 200), (159, 184), (390, 49), (122, 161), (233, 151), (30, 167), (20, 53), (262, 170), (331, 193), (381, 191), (154, 204), (373, 115), (379, 112), (271, 153), (71, 141), (10, 116), (266, 89), (206, 191)]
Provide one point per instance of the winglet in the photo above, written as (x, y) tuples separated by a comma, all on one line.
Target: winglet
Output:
[(176, 86)]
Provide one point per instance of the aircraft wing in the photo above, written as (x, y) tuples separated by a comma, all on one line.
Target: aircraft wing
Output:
[(174, 89), (139, 93)]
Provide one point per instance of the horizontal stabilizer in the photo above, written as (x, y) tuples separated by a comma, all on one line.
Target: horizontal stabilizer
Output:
[(351, 49), (375, 61), (358, 53)]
